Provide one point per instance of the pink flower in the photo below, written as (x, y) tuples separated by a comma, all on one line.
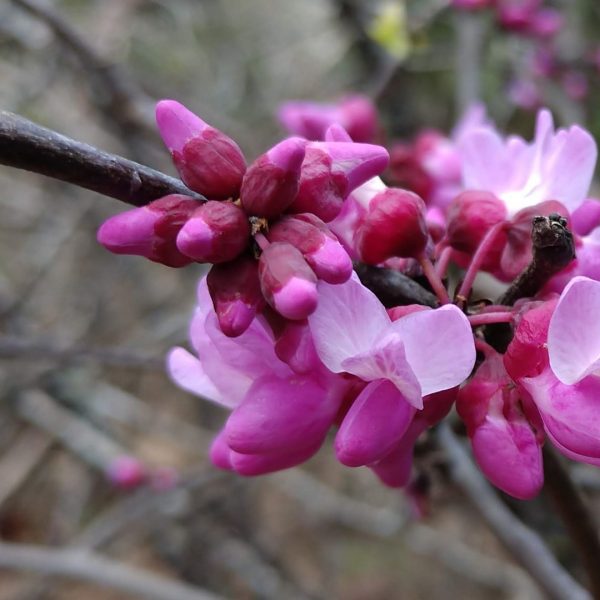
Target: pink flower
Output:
[(355, 113), (556, 165), (279, 418), (419, 354)]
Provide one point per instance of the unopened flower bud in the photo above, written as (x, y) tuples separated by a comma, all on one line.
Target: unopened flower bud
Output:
[(126, 472), (216, 232), (287, 282), (235, 291), (208, 161), (546, 23), (470, 216), (271, 182), (320, 248), (394, 226), (150, 230), (331, 170)]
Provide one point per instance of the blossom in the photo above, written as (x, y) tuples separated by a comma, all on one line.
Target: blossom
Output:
[(556, 165), (279, 417), (419, 354)]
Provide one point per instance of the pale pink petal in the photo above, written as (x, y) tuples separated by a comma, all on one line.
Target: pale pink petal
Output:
[(375, 422), (574, 331), (349, 319), (570, 413), (387, 360), (439, 347), (186, 371)]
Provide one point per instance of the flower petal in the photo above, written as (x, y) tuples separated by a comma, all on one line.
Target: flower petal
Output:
[(348, 320), (375, 422), (574, 331), (439, 347)]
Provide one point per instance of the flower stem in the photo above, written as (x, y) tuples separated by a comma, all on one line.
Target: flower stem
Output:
[(434, 279), (489, 318), (482, 251), (441, 265)]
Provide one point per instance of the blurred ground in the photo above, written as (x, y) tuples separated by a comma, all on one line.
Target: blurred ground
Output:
[(83, 333)]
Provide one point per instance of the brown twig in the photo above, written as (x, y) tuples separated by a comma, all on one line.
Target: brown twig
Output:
[(28, 146), (582, 529), (394, 288), (88, 566), (112, 91), (553, 250)]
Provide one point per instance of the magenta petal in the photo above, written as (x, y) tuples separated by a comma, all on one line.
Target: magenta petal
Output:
[(220, 453), (570, 413), (574, 331), (509, 456), (177, 124), (250, 465), (336, 133), (278, 414), (586, 217), (375, 422)]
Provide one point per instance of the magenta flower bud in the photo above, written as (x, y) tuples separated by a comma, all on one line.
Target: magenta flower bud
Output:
[(150, 230), (470, 216), (235, 291), (318, 245), (517, 15), (287, 282), (271, 182), (208, 161), (295, 347), (395, 225), (126, 473), (216, 232), (331, 170), (250, 465)]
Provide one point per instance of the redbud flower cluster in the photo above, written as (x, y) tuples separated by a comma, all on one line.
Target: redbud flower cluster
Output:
[(287, 338)]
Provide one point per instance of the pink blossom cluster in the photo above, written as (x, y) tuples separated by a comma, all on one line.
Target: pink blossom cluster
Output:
[(381, 377)]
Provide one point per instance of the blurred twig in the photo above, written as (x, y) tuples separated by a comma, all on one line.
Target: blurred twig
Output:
[(88, 566), (523, 543), (28, 146), (578, 520), (17, 347), (113, 92)]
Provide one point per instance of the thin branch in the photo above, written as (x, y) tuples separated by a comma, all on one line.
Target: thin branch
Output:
[(393, 288), (523, 543), (582, 529), (553, 249), (28, 146), (113, 92), (90, 567), (14, 347)]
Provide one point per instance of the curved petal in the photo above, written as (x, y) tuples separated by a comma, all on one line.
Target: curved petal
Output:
[(260, 464), (570, 413), (186, 371), (574, 331), (348, 320), (376, 421), (387, 360), (439, 347), (278, 414)]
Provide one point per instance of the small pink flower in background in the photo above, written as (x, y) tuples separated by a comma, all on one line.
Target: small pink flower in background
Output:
[(127, 473), (576, 85), (525, 94), (356, 114)]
